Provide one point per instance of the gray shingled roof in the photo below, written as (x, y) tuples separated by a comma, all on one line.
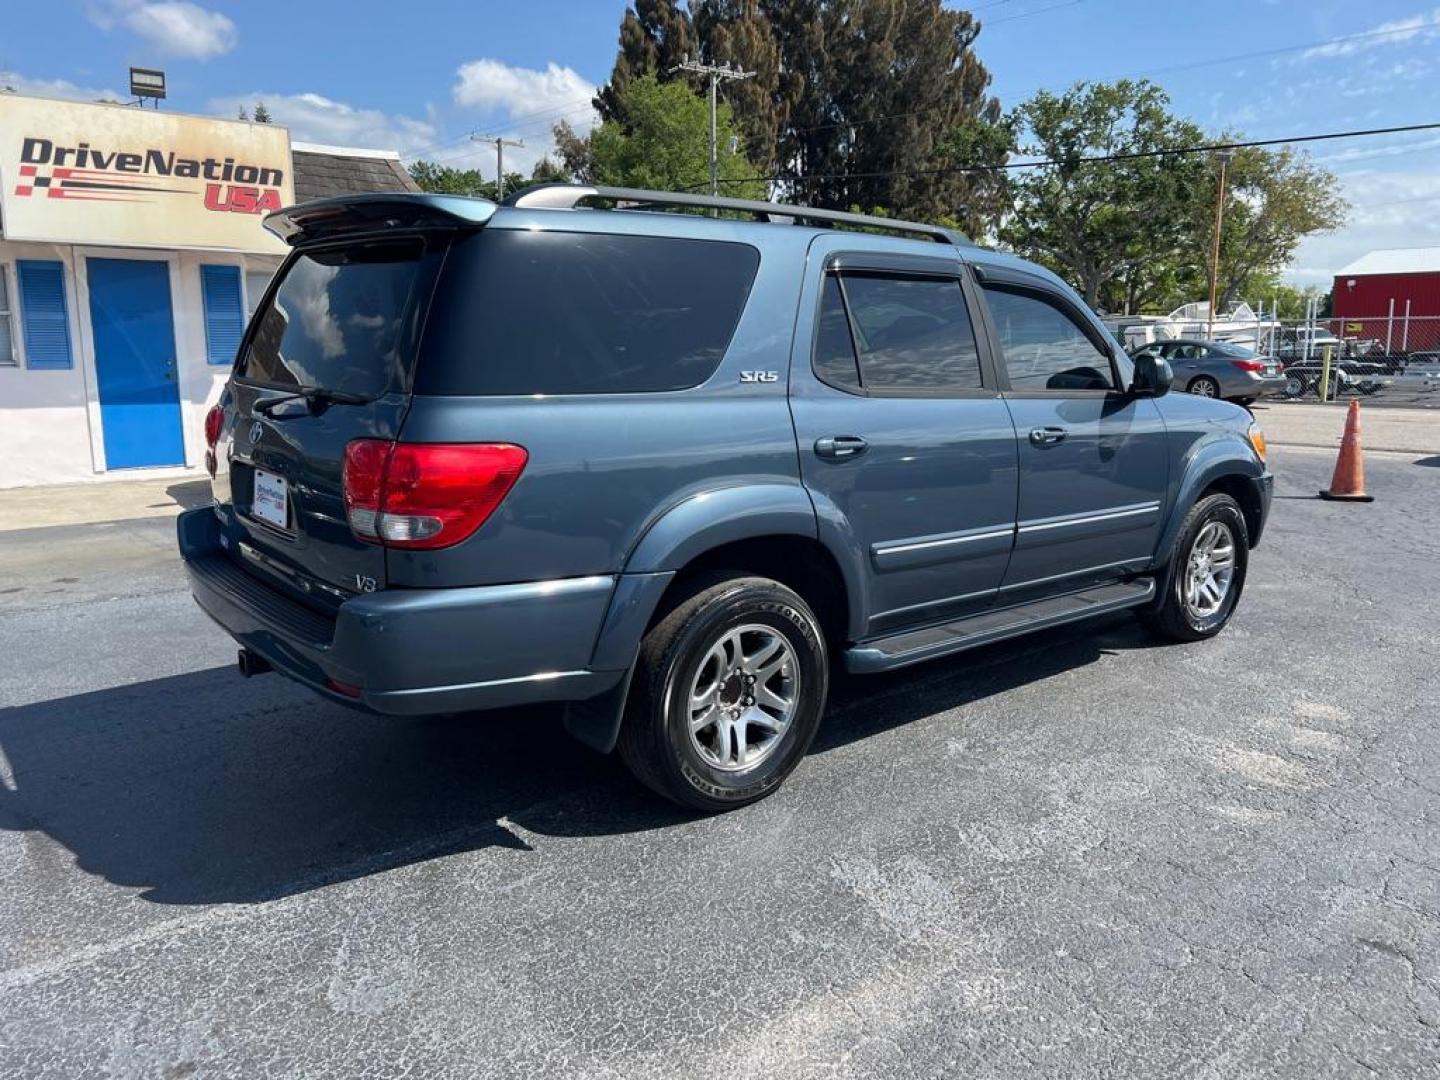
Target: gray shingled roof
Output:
[(319, 176)]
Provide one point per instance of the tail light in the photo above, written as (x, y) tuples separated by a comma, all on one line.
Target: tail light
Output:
[(425, 495), (214, 421), (1248, 365)]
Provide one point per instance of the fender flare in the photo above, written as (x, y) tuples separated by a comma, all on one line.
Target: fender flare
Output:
[(698, 523), (1215, 456)]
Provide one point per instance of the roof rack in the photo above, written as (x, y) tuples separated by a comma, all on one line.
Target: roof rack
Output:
[(568, 196)]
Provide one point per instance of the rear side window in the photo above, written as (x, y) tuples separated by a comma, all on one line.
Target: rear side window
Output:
[(343, 319), (905, 333), (520, 312)]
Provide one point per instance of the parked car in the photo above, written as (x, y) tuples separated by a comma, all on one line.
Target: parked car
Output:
[(1298, 342), (668, 469), (1219, 369), (1304, 377)]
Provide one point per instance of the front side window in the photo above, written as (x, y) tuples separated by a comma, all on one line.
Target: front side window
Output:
[(7, 324), (1043, 347), (901, 333)]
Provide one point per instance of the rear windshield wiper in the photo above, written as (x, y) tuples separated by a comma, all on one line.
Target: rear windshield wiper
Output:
[(316, 398)]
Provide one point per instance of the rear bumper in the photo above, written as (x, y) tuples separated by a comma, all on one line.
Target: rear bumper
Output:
[(409, 652), (1246, 384)]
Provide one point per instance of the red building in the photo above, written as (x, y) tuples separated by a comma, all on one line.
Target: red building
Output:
[(1393, 297)]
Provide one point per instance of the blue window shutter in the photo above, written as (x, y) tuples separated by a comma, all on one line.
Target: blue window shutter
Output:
[(224, 313), (43, 313)]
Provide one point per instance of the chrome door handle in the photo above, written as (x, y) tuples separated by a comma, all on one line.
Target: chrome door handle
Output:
[(1047, 436), (840, 447)]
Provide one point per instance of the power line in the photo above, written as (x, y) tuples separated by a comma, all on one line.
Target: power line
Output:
[(1036, 11), (993, 92), (1206, 148), (716, 73)]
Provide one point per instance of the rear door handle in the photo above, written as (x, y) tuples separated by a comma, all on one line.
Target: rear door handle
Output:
[(840, 447), (1047, 436)]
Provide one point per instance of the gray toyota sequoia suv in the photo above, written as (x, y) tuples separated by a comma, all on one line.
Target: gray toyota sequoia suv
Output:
[(591, 446)]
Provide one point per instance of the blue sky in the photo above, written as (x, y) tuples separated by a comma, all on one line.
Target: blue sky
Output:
[(418, 77)]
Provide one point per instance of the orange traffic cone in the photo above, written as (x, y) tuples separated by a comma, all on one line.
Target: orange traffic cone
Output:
[(1348, 483)]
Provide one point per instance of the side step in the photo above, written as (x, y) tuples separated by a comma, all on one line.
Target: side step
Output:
[(913, 646)]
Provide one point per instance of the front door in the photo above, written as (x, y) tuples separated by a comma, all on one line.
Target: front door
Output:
[(905, 443), (1093, 465), (134, 334)]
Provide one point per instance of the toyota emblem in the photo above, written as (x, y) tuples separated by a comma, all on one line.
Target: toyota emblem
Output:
[(256, 431)]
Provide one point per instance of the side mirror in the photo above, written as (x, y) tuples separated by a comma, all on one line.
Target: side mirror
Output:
[(1152, 376)]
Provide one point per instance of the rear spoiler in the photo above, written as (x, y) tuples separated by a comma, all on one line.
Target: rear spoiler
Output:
[(322, 219)]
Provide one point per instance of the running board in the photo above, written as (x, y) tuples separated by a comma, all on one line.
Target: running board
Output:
[(913, 646)]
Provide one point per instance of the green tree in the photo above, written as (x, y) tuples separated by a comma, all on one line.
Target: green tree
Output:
[(1274, 199), (1098, 222), (261, 114), (852, 103), (663, 143), (448, 180), (655, 35), (243, 114)]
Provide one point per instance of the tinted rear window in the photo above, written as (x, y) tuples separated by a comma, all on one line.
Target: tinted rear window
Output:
[(343, 319), (520, 312)]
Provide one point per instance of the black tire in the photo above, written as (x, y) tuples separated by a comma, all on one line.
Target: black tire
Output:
[(655, 739), (1203, 386), (1172, 616)]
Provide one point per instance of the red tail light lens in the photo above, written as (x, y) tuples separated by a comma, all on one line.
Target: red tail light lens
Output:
[(1248, 365), (425, 495), (214, 420)]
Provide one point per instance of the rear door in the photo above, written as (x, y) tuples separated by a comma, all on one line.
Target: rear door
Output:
[(341, 319), (905, 443), (1093, 463)]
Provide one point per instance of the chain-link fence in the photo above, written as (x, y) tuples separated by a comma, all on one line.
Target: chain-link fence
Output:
[(1390, 360)]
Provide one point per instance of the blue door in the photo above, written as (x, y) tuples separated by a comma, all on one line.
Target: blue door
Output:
[(134, 331)]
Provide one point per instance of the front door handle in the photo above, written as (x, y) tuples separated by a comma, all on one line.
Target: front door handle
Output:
[(1047, 436), (840, 447)]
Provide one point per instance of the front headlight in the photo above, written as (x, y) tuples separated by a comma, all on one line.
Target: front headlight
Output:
[(1257, 440)]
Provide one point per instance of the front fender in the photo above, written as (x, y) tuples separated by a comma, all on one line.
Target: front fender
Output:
[(1215, 455)]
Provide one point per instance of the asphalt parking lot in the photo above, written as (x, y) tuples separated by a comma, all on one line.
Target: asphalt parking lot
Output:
[(1076, 855)]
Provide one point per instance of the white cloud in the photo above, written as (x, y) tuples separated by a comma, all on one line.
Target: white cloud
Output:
[(314, 118), (1389, 209), (520, 103), (174, 27), (57, 88), (1394, 32), (522, 92)]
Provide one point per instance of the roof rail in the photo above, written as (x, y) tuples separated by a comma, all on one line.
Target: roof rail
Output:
[(568, 196)]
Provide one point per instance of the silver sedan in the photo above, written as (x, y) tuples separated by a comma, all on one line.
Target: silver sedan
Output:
[(1219, 369)]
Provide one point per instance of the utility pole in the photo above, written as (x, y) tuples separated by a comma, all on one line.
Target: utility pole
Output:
[(500, 143), (1223, 156), (715, 73)]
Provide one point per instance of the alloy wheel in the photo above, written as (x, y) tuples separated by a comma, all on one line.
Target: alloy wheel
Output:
[(743, 697), (1210, 570)]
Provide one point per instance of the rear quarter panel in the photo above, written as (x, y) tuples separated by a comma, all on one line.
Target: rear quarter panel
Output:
[(603, 469)]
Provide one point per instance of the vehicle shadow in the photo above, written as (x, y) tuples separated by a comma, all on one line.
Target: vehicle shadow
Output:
[(202, 788)]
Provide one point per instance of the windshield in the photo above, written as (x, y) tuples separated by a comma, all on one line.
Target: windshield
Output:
[(343, 319)]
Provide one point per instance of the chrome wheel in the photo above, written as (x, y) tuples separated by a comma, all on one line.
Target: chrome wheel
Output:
[(1205, 388), (743, 697), (1210, 570)]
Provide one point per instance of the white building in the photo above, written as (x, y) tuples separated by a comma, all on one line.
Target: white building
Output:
[(131, 252)]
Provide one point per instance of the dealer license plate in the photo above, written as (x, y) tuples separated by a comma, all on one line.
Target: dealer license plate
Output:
[(271, 503)]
